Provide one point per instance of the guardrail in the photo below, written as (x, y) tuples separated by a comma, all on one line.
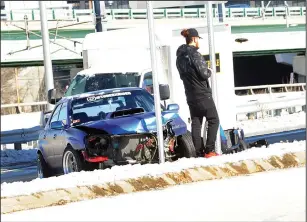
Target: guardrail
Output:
[(116, 14), (268, 98), (24, 104), (20, 135)]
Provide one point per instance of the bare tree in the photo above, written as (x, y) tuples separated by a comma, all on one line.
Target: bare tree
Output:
[(8, 93), (8, 89)]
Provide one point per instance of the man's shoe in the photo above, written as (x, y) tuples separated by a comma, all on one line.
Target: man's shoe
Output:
[(211, 154)]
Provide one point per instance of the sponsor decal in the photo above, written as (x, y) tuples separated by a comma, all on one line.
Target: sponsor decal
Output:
[(98, 97)]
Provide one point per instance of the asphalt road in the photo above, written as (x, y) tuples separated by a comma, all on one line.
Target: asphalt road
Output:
[(18, 173)]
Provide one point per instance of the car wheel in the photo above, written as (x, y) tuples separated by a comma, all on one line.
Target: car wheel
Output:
[(185, 146), (72, 161), (43, 171)]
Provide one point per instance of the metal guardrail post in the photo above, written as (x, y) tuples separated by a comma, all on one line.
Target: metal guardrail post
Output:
[(17, 146)]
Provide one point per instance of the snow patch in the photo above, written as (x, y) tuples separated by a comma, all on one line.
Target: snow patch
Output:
[(20, 121), (11, 157), (273, 124), (258, 197), (134, 171)]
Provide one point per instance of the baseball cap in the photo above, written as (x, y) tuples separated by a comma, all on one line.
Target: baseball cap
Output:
[(193, 33)]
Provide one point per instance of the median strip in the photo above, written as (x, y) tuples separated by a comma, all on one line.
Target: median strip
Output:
[(63, 196)]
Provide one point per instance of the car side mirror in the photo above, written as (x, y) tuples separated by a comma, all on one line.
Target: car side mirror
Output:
[(52, 97), (173, 107), (57, 125), (164, 91)]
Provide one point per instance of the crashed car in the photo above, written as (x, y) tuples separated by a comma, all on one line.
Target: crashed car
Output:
[(100, 129)]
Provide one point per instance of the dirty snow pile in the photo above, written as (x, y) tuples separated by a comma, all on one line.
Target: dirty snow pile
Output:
[(134, 171), (267, 202), (273, 124), (11, 157)]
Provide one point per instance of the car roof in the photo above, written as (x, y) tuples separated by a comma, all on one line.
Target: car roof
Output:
[(113, 90)]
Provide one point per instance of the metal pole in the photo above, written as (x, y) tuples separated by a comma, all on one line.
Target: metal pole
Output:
[(263, 10), (286, 6), (152, 43), (213, 66), (103, 15), (220, 12), (98, 15), (46, 50), (27, 31), (224, 11)]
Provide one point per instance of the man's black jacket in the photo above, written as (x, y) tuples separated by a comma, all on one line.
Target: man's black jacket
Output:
[(193, 72)]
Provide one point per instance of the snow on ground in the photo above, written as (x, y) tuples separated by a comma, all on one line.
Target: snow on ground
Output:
[(135, 171), (11, 157), (273, 124), (269, 196), (20, 121)]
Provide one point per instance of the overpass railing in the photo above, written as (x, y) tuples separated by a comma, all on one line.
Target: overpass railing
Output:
[(117, 14)]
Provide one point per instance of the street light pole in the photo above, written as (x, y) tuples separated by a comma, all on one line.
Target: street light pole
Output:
[(152, 43), (213, 66), (46, 49)]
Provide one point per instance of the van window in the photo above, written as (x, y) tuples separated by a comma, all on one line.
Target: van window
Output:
[(147, 82), (85, 83)]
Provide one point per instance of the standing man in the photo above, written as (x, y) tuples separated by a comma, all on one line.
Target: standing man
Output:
[(194, 73)]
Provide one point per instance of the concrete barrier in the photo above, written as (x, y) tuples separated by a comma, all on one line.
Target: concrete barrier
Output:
[(80, 193)]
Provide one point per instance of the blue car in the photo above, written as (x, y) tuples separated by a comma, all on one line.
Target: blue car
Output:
[(110, 127)]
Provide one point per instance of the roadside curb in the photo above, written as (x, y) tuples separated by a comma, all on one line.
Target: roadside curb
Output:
[(80, 193)]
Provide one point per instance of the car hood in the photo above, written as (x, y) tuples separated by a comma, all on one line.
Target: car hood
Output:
[(137, 123)]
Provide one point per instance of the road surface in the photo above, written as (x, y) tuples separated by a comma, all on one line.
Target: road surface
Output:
[(269, 196), (18, 173)]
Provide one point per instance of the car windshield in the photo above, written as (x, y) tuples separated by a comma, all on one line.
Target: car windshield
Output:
[(85, 83), (98, 106)]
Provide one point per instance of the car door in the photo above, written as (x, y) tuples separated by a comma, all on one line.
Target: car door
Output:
[(48, 136), (59, 136)]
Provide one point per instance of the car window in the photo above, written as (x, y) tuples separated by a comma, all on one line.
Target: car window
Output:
[(63, 113), (55, 114), (98, 106), (90, 83)]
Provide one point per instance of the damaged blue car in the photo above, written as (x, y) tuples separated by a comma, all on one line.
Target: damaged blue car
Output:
[(100, 129)]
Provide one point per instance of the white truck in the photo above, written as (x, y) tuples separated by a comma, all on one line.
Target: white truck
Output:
[(121, 58)]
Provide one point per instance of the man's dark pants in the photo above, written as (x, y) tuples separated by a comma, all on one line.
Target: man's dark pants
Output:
[(199, 109)]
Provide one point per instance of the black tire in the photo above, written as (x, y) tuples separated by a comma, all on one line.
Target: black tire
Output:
[(77, 158), (185, 146), (43, 170)]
